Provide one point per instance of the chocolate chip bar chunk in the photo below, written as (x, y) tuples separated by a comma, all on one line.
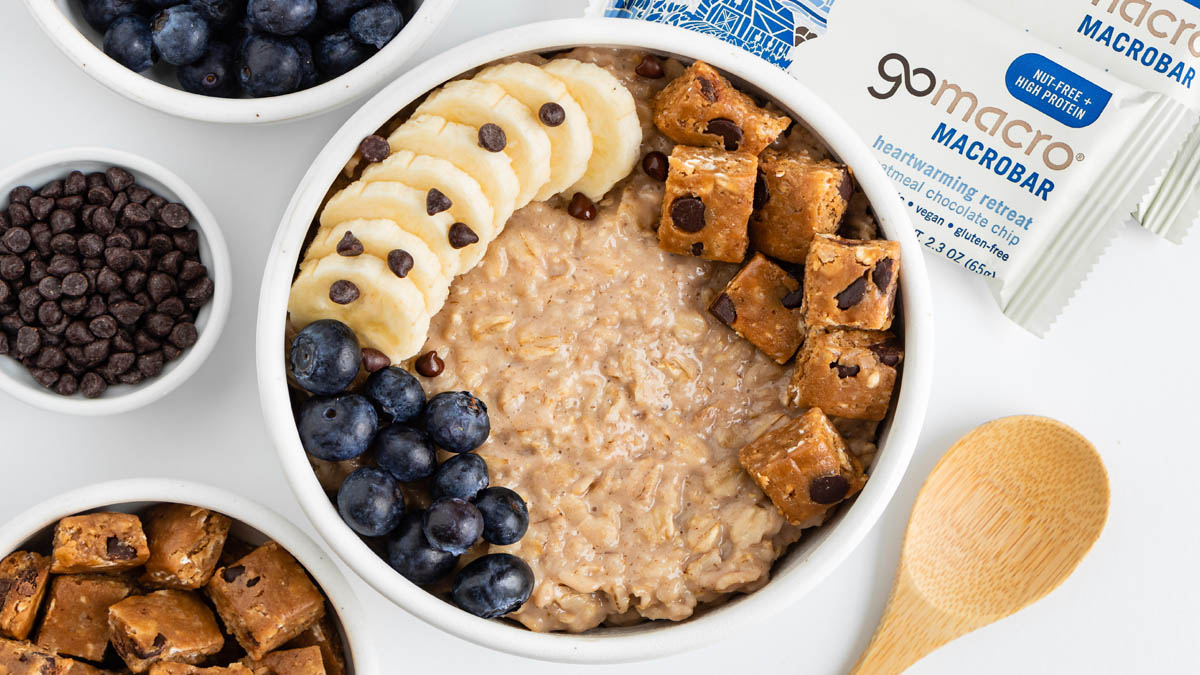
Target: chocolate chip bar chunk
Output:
[(795, 198), (323, 635), (165, 625), (709, 196), (265, 599), (851, 284), (803, 466), (76, 621), (701, 107), (98, 542), (188, 669), (22, 658), (185, 543), (762, 304), (23, 578), (846, 373), (304, 661)]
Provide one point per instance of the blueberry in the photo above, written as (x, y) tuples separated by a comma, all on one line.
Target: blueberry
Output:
[(219, 14), (452, 525), (180, 34), (101, 13), (338, 53), (338, 428), (308, 67), (396, 392), (281, 17), (339, 11), (493, 585), (410, 554), (128, 42), (505, 516), (457, 421), (377, 24), (461, 476), (325, 356), (269, 65), (370, 502), (213, 75), (405, 452)]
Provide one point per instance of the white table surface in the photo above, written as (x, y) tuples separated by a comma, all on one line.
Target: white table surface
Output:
[(1122, 366)]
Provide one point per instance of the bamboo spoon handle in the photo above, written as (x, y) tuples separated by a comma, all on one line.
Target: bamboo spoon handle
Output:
[(910, 629)]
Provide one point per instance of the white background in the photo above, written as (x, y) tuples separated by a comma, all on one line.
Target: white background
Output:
[(1122, 366)]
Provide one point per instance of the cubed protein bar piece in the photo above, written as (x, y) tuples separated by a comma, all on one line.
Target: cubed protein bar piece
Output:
[(165, 625), (851, 284), (846, 373), (185, 543), (98, 542), (701, 107), (709, 194), (795, 198), (76, 621), (23, 576), (762, 304)]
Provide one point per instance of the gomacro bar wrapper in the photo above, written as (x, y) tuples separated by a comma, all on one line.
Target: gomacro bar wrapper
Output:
[(1152, 43), (1017, 160)]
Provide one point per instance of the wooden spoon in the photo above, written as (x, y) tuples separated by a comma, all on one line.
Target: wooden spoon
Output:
[(1002, 520)]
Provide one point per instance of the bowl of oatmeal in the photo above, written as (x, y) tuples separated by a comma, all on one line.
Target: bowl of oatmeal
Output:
[(637, 389)]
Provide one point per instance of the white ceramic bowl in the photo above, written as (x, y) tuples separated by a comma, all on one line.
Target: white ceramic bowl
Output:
[(797, 572), (62, 21), (210, 321), (253, 523)]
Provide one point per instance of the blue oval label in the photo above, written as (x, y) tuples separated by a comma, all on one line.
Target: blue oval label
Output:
[(1058, 92)]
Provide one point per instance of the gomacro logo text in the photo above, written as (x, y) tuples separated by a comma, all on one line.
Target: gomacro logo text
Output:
[(1160, 23), (993, 121)]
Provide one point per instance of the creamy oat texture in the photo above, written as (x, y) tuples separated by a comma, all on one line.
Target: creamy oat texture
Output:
[(618, 405)]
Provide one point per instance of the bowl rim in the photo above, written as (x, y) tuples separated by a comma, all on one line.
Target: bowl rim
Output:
[(337, 590), (70, 39), (220, 271), (839, 538)]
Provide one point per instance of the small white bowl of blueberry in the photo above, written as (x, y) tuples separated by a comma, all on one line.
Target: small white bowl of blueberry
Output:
[(389, 434), (240, 61)]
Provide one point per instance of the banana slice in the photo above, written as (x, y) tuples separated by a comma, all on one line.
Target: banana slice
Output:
[(570, 141), (404, 206), (459, 144), (612, 117), (478, 103), (380, 238), (468, 204), (388, 313)]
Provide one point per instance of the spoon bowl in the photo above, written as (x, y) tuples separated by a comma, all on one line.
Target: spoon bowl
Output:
[(1002, 520)]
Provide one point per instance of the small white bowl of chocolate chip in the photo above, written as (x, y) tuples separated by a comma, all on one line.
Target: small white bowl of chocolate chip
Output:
[(166, 577)]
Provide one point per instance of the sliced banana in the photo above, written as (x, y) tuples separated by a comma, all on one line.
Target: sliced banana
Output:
[(570, 141), (612, 118), (404, 206), (459, 144), (380, 238), (468, 204), (389, 313), (478, 103)]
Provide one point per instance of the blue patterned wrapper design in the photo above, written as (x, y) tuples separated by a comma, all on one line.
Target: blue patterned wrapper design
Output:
[(769, 29)]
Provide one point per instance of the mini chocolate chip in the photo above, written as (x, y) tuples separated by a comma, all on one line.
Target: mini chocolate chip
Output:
[(687, 214), (44, 376), (119, 259), (30, 296), (656, 165), (349, 245), (187, 241), (852, 294), (99, 195), (723, 309), (51, 357), (183, 335), (889, 352), (29, 341), (115, 549), (75, 183), (828, 489), (436, 202), (50, 288), (133, 215), (17, 240), (171, 306), (374, 148), (170, 261), (20, 194), (650, 67), (95, 307), (430, 364), (174, 215), (230, 574), (198, 293), (154, 203), (126, 312), (49, 313), (793, 299), (400, 262), (846, 187), (373, 360), (73, 306), (77, 333), (492, 138), (882, 274), (343, 292), (97, 352), (40, 207), (697, 248), (150, 365), (103, 221), (138, 194), (708, 88), (67, 385), (158, 244), (728, 130), (52, 189), (158, 325), (135, 281), (62, 265), (70, 204), (19, 215), (63, 243), (844, 371), (581, 207), (107, 280), (552, 114), (92, 385), (119, 201), (62, 221), (11, 267), (762, 193), (117, 178), (159, 286), (90, 245), (171, 352), (191, 270), (461, 236)]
